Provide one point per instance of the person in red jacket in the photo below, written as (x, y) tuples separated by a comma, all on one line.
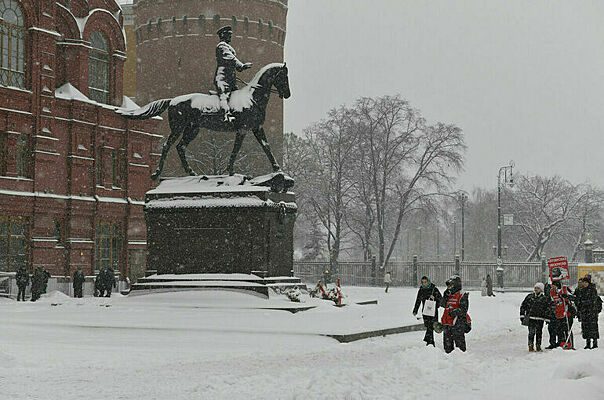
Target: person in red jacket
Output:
[(564, 311), (455, 316)]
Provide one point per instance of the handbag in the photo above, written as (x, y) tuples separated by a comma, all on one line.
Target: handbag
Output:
[(429, 308)]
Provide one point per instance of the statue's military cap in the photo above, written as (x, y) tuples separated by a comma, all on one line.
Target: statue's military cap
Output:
[(224, 30)]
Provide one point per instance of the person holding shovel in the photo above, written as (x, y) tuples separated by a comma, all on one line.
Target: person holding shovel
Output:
[(428, 292), (564, 311)]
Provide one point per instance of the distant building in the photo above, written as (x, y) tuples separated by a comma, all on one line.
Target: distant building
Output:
[(73, 173), (175, 52)]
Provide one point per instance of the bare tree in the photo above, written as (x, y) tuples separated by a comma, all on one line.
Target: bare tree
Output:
[(389, 126), (543, 208), (587, 219), (332, 143), (434, 161)]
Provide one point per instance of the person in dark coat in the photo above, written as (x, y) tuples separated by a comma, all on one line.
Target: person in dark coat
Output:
[(78, 282), (99, 287), (552, 325), (589, 305), (455, 315), (490, 286), (227, 64), (428, 291), (107, 281), (22, 278), (37, 283), (45, 278), (534, 311)]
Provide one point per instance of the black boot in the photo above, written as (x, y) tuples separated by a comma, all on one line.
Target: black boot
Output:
[(587, 344), (595, 344)]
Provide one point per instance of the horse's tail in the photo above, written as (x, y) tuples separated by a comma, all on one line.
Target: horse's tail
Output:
[(149, 111)]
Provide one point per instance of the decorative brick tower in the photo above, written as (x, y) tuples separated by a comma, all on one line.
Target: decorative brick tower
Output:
[(175, 50)]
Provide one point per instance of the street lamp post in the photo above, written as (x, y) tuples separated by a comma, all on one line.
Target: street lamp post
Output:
[(463, 197), (508, 179)]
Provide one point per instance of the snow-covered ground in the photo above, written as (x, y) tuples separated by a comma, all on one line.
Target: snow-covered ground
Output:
[(216, 345)]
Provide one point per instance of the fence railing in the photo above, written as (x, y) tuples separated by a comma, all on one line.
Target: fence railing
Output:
[(405, 273)]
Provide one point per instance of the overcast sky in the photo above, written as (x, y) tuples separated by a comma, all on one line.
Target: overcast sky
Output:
[(523, 79)]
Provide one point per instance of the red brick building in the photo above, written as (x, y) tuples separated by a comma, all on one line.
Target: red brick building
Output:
[(73, 173)]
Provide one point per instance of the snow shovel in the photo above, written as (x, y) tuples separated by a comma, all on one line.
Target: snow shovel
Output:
[(568, 343)]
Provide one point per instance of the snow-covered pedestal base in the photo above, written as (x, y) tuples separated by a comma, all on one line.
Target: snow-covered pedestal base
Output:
[(221, 224)]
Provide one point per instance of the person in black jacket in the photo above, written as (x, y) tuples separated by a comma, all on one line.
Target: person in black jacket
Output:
[(78, 282), (455, 315), (552, 325), (534, 311), (22, 278), (589, 305), (428, 291), (490, 286), (37, 283)]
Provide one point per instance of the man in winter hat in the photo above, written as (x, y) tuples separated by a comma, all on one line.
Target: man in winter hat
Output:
[(455, 316), (226, 65), (534, 311)]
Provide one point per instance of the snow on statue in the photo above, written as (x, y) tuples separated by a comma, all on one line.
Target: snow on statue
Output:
[(246, 110)]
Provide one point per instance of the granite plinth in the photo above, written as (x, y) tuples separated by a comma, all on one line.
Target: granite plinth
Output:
[(220, 224)]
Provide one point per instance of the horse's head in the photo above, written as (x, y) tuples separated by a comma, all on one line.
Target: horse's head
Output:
[(281, 82)]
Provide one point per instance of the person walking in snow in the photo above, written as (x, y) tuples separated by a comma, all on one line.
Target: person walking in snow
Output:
[(22, 278), (78, 282), (387, 280), (490, 286), (589, 305), (428, 291), (534, 311), (455, 315)]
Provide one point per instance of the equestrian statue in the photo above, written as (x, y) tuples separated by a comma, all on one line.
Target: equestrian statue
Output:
[(230, 110)]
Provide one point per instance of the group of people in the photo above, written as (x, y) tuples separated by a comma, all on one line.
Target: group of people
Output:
[(39, 282), (455, 322), (554, 304), (558, 305), (103, 283)]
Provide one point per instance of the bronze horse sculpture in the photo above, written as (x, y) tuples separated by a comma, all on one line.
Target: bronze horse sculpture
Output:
[(188, 113)]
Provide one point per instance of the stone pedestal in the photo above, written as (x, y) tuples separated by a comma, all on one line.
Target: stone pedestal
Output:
[(220, 224)]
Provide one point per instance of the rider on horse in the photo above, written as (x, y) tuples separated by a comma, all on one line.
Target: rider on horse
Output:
[(227, 63)]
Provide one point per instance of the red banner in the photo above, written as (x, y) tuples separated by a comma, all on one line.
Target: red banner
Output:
[(558, 268)]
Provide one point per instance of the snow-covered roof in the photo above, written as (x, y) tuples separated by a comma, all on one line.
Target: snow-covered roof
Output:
[(70, 92)]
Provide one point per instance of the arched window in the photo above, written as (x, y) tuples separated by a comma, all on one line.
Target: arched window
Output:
[(12, 44), (98, 69)]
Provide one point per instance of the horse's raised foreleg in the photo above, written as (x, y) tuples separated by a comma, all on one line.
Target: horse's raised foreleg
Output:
[(238, 142), (188, 135), (261, 138), (164, 153)]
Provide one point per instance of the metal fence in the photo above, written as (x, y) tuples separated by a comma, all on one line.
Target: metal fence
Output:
[(515, 275)]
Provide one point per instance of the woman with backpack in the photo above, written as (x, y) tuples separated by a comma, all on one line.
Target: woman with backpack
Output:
[(534, 311), (589, 305), (455, 320)]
